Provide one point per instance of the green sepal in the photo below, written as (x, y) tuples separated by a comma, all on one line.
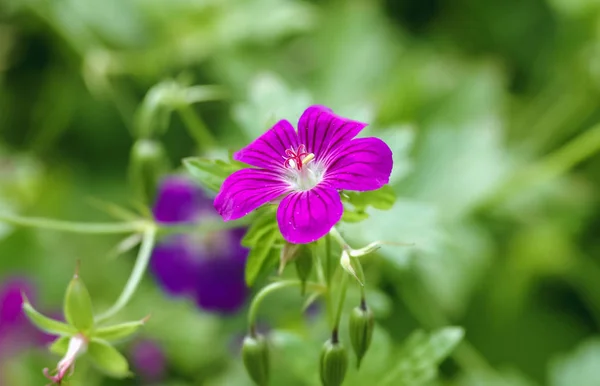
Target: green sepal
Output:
[(108, 359), (211, 173), (60, 345), (361, 327), (118, 332), (333, 363), (255, 355), (78, 305), (44, 323)]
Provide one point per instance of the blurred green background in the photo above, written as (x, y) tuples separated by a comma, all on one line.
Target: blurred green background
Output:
[(491, 109)]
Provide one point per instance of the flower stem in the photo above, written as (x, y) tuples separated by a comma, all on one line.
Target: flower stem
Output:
[(273, 287), (341, 301), (136, 275), (75, 227), (196, 127)]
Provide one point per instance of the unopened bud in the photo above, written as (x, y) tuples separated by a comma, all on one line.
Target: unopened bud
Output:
[(78, 305), (334, 363), (304, 263), (255, 354), (148, 164), (362, 324)]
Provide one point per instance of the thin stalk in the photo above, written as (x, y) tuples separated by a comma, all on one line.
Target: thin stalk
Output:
[(196, 127), (141, 264), (75, 227), (273, 287), (341, 301)]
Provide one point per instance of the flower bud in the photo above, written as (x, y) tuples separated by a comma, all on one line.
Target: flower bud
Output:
[(362, 323), (304, 263), (255, 354), (288, 254), (148, 164), (78, 305), (334, 363)]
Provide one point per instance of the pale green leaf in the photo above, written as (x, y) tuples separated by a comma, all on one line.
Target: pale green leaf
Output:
[(211, 173), (264, 255), (420, 356)]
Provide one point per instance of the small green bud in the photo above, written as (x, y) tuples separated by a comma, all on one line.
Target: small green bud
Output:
[(78, 305), (288, 254), (304, 263), (148, 164), (255, 354), (362, 323), (334, 363)]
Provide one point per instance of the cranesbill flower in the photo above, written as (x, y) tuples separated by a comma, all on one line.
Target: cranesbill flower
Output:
[(208, 266), (304, 172)]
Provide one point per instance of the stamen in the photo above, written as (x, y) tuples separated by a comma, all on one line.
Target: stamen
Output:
[(309, 157)]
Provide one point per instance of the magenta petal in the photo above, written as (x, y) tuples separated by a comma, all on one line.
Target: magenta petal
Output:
[(246, 190), (268, 150), (322, 131), (307, 216), (361, 164)]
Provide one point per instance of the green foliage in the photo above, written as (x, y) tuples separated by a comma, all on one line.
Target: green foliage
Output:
[(383, 198), (265, 243), (211, 173), (580, 367), (421, 354)]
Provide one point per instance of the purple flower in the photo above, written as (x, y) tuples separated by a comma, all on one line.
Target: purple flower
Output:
[(305, 172), (208, 266), (149, 361)]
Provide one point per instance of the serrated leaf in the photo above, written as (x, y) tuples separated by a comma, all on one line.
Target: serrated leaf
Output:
[(382, 198), (108, 359), (46, 324), (420, 356), (118, 332), (262, 255), (211, 173), (264, 223), (60, 346)]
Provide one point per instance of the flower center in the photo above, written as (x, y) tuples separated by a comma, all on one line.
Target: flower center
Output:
[(302, 174)]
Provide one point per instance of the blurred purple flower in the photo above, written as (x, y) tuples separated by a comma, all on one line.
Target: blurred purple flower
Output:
[(208, 267), (148, 360), (16, 332)]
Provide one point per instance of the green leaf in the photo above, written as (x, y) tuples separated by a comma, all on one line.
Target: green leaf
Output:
[(60, 345), (382, 198), (78, 305), (263, 224), (119, 331), (108, 359), (354, 215), (421, 354), (46, 324), (211, 173), (263, 256)]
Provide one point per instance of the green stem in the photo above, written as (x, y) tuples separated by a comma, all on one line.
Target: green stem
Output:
[(196, 127), (360, 273), (327, 263), (141, 264), (338, 238), (341, 301), (75, 227), (273, 287)]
